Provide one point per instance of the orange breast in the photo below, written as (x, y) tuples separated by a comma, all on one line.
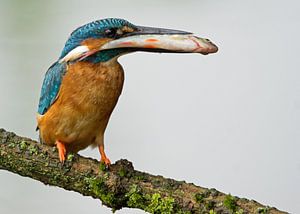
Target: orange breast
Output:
[(88, 95)]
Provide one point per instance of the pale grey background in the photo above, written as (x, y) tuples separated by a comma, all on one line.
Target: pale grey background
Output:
[(229, 120)]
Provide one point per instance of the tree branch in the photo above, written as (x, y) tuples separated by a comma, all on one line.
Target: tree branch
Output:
[(120, 185)]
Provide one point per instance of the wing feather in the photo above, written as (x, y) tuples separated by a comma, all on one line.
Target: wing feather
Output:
[(51, 86)]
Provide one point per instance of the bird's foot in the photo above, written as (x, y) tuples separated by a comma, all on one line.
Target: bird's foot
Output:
[(61, 151), (104, 158)]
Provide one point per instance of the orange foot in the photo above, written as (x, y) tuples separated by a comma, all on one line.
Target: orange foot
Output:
[(61, 151), (104, 159)]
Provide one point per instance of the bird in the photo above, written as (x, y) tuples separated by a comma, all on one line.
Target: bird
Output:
[(81, 88)]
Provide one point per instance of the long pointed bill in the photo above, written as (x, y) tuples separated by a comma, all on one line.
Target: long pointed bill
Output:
[(162, 40)]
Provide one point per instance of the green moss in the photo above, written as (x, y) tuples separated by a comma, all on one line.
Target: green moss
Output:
[(122, 172), (204, 201), (212, 212), (140, 177), (240, 211), (263, 210), (70, 157), (23, 145), (33, 150), (199, 197), (43, 155), (108, 199), (102, 166), (11, 145), (183, 212), (98, 187), (55, 178), (230, 203), (150, 203), (160, 205), (135, 198)]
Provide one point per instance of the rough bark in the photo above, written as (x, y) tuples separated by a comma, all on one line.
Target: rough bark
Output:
[(120, 185)]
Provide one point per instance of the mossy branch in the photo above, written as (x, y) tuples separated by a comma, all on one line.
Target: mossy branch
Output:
[(120, 185)]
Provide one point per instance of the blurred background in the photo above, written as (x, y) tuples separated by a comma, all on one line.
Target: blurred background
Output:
[(228, 121)]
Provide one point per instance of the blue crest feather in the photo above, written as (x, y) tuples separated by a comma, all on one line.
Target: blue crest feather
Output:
[(93, 29)]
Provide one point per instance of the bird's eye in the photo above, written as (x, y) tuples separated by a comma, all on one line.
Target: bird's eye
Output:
[(113, 32)]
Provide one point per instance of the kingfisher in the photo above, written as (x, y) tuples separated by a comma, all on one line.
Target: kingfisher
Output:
[(81, 89)]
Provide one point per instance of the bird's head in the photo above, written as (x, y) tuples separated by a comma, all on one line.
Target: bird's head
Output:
[(102, 40)]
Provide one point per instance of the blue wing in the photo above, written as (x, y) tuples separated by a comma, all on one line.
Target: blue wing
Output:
[(51, 85)]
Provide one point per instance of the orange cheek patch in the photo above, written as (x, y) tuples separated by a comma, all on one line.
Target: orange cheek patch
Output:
[(95, 44)]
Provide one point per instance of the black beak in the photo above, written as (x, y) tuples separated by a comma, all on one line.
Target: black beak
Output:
[(141, 30), (152, 39)]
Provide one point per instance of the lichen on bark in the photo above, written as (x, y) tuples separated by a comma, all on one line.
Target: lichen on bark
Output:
[(120, 185)]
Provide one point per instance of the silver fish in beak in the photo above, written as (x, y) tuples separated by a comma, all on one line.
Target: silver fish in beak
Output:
[(162, 40)]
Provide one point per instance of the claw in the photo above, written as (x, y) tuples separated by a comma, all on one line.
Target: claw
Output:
[(106, 161)]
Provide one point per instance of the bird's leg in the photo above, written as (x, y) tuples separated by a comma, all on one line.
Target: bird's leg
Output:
[(104, 158), (61, 151)]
